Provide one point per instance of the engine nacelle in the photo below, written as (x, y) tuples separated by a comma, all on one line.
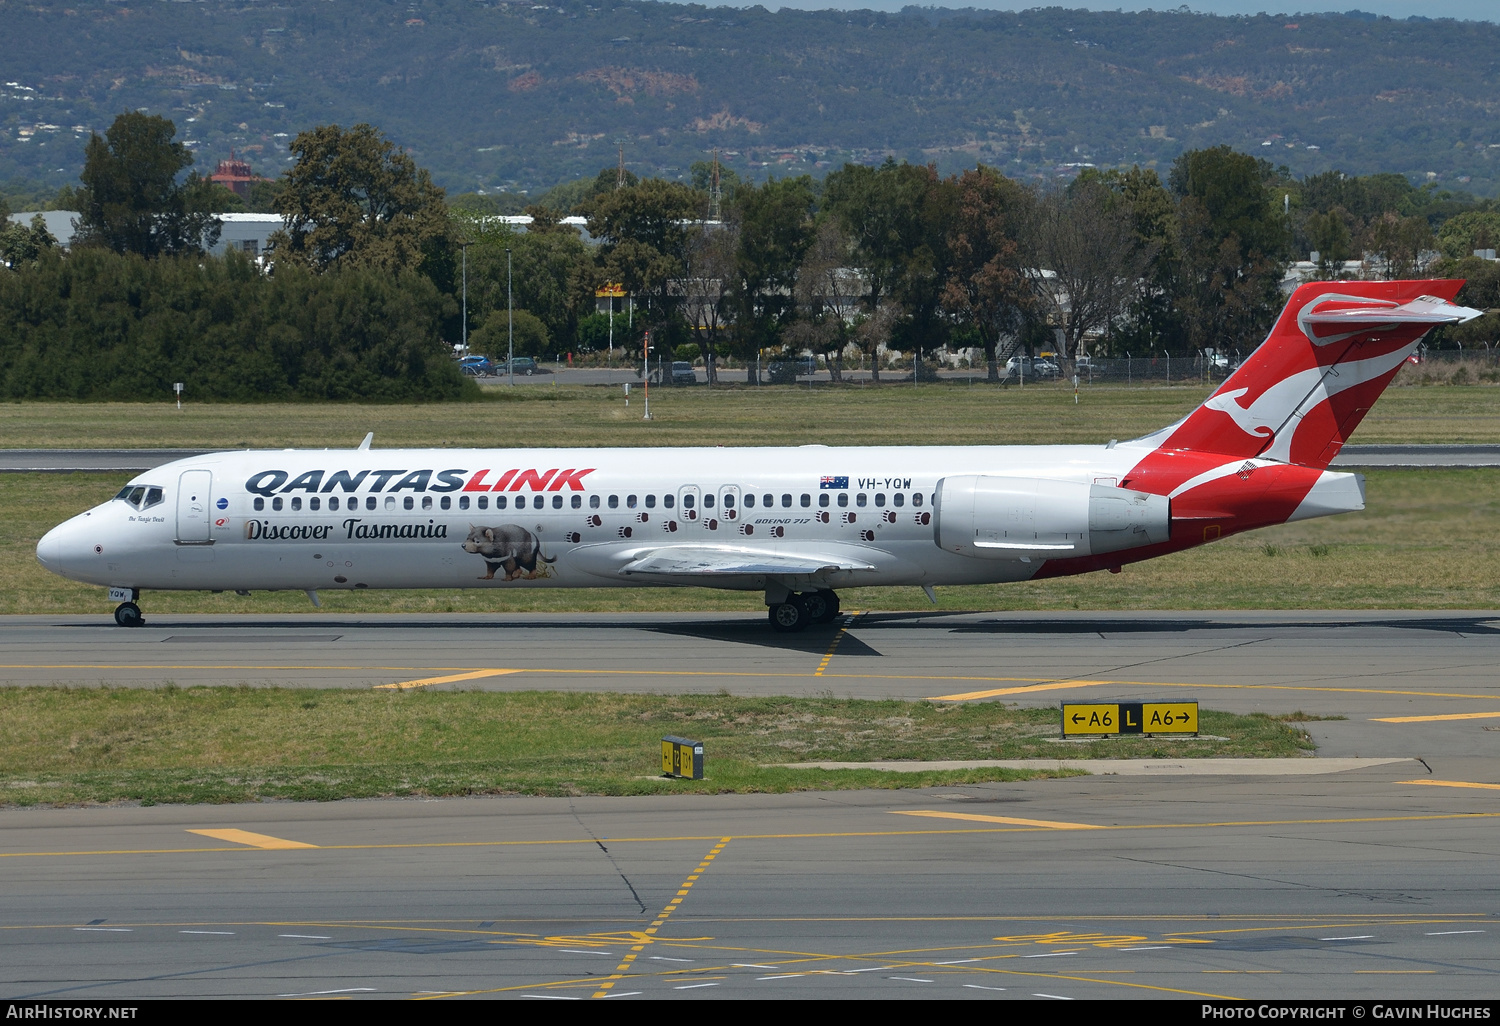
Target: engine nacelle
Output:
[(1013, 517)]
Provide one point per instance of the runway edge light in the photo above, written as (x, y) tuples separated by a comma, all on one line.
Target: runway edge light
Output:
[(1108, 719), (681, 758)]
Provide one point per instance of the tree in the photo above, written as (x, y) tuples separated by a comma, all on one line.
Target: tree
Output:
[(775, 228), (986, 288), (1232, 245), (1155, 318), (353, 199), (707, 284), (20, 244), (829, 294), (1476, 229), (494, 337), (132, 200), (551, 272), (1086, 236), (880, 209), (642, 231), (1401, 243)]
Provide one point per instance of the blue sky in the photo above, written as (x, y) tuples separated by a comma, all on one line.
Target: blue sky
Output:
[(1467, 10)]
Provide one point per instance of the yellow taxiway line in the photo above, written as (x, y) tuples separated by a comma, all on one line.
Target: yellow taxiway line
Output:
[(1046, 824), (819, 835), (1453, 783), (252, 839), (425, 681), (1435, 719)]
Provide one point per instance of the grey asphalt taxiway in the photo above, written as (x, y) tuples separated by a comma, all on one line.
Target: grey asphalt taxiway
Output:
[(1376, 881)]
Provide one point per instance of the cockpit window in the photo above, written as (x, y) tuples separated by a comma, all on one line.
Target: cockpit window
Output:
[(141, 496)]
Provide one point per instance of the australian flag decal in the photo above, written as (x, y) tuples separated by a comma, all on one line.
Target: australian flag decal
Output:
[(834, 482)]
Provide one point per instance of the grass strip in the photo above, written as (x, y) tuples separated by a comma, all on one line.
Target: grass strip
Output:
[(530, 416), (1426, 541), (230, 744)]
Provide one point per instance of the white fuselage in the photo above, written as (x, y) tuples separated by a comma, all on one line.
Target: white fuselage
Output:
[(416, 518)]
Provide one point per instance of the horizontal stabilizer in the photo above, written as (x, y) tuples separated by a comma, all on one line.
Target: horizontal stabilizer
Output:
[(1335, 317), (709, 561)]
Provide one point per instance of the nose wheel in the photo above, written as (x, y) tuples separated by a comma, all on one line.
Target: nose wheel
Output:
[(128, 614)]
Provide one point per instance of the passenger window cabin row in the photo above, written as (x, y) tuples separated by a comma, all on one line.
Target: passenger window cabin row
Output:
[(373, 503)]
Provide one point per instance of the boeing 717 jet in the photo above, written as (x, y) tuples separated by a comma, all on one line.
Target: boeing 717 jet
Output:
[(796, 524)]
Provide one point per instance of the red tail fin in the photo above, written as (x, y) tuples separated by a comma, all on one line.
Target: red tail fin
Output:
[(1334, 349)]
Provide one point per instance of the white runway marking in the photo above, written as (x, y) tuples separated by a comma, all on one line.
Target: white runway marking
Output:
[(975, 986), (304, 936), (1363, 936), (103, 929), (578, 951), (695, 986), (210, 933), (1452, 933), (320, 993), (1054, 997)]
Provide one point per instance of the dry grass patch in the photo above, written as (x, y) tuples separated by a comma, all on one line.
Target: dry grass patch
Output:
[(226, 744)]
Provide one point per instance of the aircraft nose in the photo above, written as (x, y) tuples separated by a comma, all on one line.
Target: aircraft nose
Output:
[(49, 551), (68, 549)]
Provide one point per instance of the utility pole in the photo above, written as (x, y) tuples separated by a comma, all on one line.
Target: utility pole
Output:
[(464, 248), (646, 377), (713, 190), (510, 325)]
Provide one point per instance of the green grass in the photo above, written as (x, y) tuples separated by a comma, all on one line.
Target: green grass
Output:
[(538, 415), (229, 744), (1427, 541)]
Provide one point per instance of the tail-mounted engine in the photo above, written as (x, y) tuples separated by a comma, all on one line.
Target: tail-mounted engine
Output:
[(1015, 517)]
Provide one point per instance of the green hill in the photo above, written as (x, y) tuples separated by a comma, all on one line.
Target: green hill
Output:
[(526, 95)]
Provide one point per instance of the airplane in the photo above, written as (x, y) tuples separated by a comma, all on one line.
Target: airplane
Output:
[(796, 523)]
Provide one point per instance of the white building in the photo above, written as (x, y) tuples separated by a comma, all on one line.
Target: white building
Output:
[(247, 233)]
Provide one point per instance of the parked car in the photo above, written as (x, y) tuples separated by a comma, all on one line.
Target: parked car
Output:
[(1043, 368), (521, 365), (683, 373), (477, 366), (786, 372)]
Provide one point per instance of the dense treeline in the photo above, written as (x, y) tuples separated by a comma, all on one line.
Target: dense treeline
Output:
[(99, 325), (366, 286)]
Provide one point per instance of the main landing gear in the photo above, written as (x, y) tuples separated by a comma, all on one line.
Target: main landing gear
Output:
[(797, 610), (128, 614)]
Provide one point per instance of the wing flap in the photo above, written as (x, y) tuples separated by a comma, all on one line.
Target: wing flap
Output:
[(706, 561)]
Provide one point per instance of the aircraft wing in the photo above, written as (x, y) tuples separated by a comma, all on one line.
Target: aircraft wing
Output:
[(686, 561)]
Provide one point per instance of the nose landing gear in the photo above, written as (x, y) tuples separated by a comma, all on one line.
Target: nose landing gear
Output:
[(128, 614)]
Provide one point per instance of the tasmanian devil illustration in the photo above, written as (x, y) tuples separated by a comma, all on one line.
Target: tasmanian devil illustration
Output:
[(509, 547)]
